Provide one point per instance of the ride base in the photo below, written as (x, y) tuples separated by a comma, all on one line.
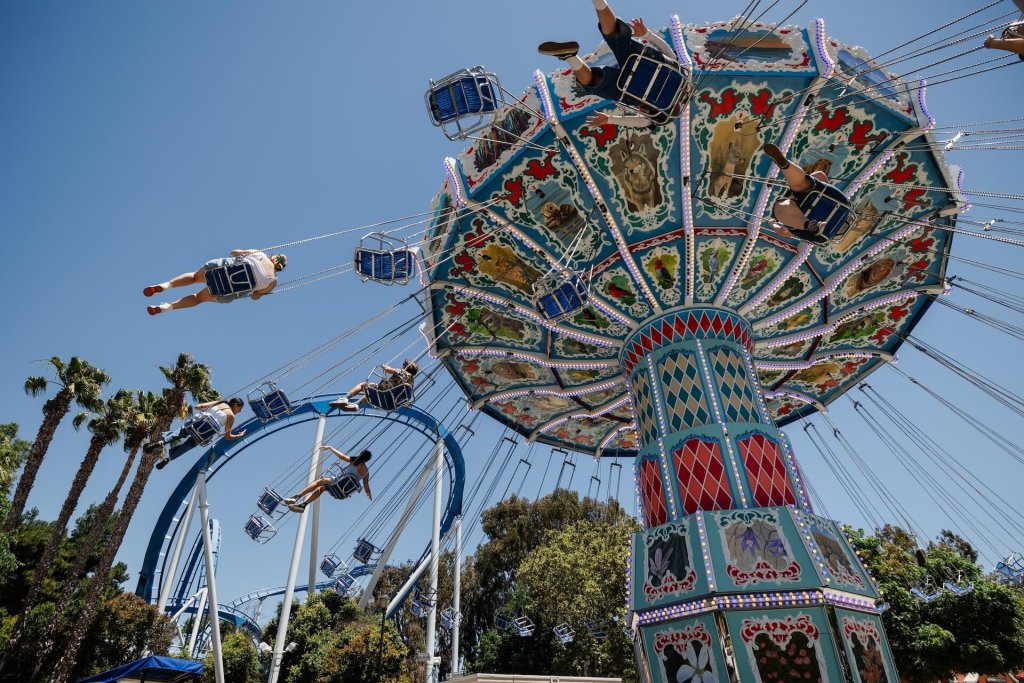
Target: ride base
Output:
[(735, 578)]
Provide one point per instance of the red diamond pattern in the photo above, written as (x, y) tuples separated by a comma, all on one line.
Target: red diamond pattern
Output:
[(645, 342), (655, 511), (703, 483), (766, 472), (656, 336), (667, 331), (680, 326), (716, 324), (705, 324)]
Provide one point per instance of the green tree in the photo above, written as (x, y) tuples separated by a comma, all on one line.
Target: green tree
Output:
[(982, 631), (79, 382), (13, 452), (241, 661), (185, 377)]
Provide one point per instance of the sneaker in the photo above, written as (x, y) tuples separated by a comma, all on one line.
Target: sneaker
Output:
[(560, 50), (297, 507), (288, 501), (152, 447), (778, 157), (151, 290), (339, 402), (163, 463), (350, 407), (154, 310)]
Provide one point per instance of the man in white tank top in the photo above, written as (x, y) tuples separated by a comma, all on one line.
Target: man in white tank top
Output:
[(264, 271), (220, 412)]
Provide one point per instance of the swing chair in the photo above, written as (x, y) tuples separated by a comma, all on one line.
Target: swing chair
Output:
[(383, 394), (927, 592), (459, 104), (203, 428), (832, 218), (270, 501), (423, 602), (597, 630), (365, 551), (450, 618), (386, 260), (523, 626), (331, 565), (558, 295), (268, 402), (259, 529), (346, 586), (958, 587), (343, 484), (1011, 566), (564, 632), (501, 622), (652, 86), (233, 279)]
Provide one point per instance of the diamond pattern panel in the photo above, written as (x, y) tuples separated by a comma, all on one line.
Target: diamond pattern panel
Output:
[(684, 395), (646, 417), (655, 511), (703, 481), (766, 472), (730, 373)]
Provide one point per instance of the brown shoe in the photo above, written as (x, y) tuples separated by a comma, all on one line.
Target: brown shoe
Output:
[(151, 290), (778, 157), (560, 50)]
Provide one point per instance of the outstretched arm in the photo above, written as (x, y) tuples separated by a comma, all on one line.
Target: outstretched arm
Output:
[(208, 404), (338, 453), (366, 486), (390, 370), (640, 30), (228, 434), (243, 252), (636, 121)]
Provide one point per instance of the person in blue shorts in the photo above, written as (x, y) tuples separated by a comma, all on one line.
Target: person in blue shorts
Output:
[(343, 485), (264, 269), (603, 81), (812, 210)]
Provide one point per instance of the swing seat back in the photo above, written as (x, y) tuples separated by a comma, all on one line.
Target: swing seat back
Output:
[(564, 633), (558, 299), (449, 618), (829, 207), (364, 551), (501, 622), (344, 486), (269, 402), (653, 86), (270, 501), (259, 529), (523, 626), (597, 631), (204, 429), (233, 279), (385, 267), (460, 104), (330, 565), (389, 398)]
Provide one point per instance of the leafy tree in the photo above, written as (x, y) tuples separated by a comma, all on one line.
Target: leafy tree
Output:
[(186, 376), (982, 631), (13, 452), (79, 382), (241, 661)]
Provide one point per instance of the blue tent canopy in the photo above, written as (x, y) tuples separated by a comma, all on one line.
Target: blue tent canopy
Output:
[(151, 669)]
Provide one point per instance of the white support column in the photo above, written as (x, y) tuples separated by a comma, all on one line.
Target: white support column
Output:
[(435, 549), (293, 569), (190, 649), (457, 597), (211, 578), (179, 544), (314, 536)]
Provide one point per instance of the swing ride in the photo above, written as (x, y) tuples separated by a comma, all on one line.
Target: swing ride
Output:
[(620, 293)]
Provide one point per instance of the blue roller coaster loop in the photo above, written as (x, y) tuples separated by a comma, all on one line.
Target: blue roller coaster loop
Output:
[(307, 410)]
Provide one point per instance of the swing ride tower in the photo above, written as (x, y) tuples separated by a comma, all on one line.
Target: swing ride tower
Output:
[(619, 292)]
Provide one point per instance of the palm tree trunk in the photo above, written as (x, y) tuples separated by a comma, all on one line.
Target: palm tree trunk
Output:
[(172, 404), (70, 585), (53, 412), (96, 445), (99, 580)]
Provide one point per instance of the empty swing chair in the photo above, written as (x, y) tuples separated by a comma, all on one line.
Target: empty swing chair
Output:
[(958, 587), (365, 551), (269, 402), (653, 86), (233, 279), (345, 585), (423, 602), (270, 501), (564, 632), (927, 592), (1011, 566), (259, 529), (501, 621), (331, 565), (559, 295), (597, 630), (460, 104), (384, 393), (450, 618), (387, 260), (523, 626)]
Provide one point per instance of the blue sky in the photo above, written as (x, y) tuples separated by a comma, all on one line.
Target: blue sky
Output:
[(140, 139)]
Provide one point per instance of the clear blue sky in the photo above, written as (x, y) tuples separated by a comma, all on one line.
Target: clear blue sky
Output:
[(140, 139)]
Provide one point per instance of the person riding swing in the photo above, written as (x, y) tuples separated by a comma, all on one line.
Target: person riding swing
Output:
[(341, 486), (812, 210)]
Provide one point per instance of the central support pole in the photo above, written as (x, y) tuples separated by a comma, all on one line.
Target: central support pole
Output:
[(211, 578), (457, 597), (435, 557), (293, 569)]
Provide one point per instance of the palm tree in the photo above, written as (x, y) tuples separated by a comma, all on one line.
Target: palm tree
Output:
[(187, 376), (106, 426), (80, 382), (142, 413)]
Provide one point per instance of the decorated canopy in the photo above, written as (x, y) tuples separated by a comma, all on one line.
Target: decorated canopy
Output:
[(674, 217)]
